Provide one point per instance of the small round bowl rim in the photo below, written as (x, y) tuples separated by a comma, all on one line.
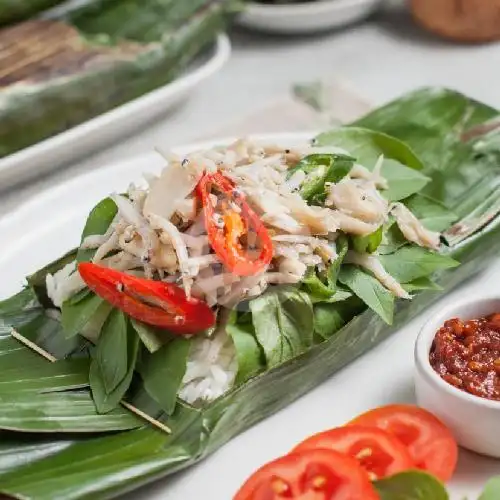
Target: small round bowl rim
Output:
[(424, 342), (305, 8)]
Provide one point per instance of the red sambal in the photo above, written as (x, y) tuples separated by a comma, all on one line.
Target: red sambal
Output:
[(466, 354)]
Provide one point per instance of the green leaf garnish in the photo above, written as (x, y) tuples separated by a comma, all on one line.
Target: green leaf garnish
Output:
[(113, 362), (284, 321), (163, 371), (411, 485), (412, 262), (369, 290)]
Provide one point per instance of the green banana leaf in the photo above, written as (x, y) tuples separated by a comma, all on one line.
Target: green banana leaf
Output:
[(16, 10), (103, 466), (114, 62)]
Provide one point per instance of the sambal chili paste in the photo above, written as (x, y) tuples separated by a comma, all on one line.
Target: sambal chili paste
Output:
[(466, 354)]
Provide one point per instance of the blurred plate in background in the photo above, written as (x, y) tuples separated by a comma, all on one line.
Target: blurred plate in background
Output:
[(307, 17), (89, 136)]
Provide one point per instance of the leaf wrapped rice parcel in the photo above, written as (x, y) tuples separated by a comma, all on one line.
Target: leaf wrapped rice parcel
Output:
[(325, 296), (58, 73)]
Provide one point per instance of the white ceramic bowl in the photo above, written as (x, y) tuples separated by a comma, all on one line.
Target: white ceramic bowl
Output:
[(307, 17), (474, 421)]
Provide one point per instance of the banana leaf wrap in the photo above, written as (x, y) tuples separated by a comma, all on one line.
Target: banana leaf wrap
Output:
[(47, 465), (94, 60)]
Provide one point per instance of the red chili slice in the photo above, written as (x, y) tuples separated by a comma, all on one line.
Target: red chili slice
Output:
[(235, 231), (153, 302)]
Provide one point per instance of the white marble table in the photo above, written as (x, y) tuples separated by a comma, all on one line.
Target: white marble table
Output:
[(382, 58)]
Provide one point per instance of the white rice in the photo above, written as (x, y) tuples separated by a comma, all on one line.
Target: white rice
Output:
[(211, 369)]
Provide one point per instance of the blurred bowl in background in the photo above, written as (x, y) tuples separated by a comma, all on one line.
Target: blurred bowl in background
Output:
[(305, 17)]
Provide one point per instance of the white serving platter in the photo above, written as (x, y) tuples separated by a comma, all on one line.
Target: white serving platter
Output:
[(83, 139), (307, 17), (50, 224)]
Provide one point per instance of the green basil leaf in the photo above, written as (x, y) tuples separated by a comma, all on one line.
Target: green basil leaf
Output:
[(367, 145), (368, 243), (402, 181), (369, 290), (284, 321), (152, 338), (113, 362), (412, 262), (98, 222), (248, 351), (76, 315), (492, 489), (342, 246), (411, 485), (424, 283), (110, 358), (163, 371), (432, 214), (329, 318)]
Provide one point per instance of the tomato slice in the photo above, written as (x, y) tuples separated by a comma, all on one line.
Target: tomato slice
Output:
[(430, 443), (309, 475), (378, 452)]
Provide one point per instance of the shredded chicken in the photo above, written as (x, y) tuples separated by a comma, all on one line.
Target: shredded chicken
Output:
[(352, 225), (358, 199), (372, 263), (159, 230), (412, 229), (360, 172), (179, 178)]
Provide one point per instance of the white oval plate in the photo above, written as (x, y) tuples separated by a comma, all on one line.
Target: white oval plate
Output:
[(83, 139), (50, 224), (306, 17)]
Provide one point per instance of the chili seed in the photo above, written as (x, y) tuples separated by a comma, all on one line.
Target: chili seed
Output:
[(319, 482), (279, 486), (364, 453), (218, 220), (120, 287), (179, 320)]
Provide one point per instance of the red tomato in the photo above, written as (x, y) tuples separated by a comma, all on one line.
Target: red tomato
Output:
[(377, 451), (309, 475), (430, 443)]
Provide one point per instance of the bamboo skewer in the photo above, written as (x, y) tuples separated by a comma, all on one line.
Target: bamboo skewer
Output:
[(33, 346), (53, 359)]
